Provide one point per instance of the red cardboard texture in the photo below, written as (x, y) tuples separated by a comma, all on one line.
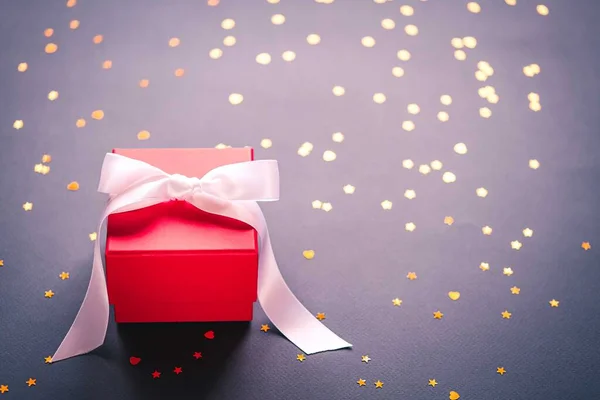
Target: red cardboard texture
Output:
[(175, 263)]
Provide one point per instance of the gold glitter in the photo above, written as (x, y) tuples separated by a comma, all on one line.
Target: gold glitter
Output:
[(407, 11), (533, 97), (527, 232), (457, 43), (288, 56), (326, 207), (215, 53), (320, 316), (469, 42), (515, 290), (411, 276), (408, 126), (329, 155), (516, 245), (236, 98), (71, 3), (98, 115), (436, 165), (542, 9), (174, 42), (263, 58), (511, 2), (179, 72), (107, 64), (316, 204), (229, 41), (48, 32), (586, 246), (460, 55), (28, 206), (53, 95), (365, 359), (313, 39), (98, 39), (486, 91), (460, 148), (410, 226), (410, 194), (378, 384), (493, 98), (388, 24), (277, 19), (454, 395), (448, 220), (432, 382), (386, 205), (403, 55), (485, 112), (446, 99), (144, 83), (22, 67), (305, 149), (337, 137), (18, 124), (484, 266), (481, 76), (338, 91), (48, 294), (73, 186), (454, 295), (80, 123), (505, 315), (379, 98), (408, 164), (438, 315), (449, 177), (51, 48), (300, 357), (535, 106), (74, 24), (143, 135), (474, 7), (507, 271), (486, 230), (554, 303), (413, 109), (485, 67), (481, 192), (368, 41), (398, 72), (46, 158), (397, 302), (443, 116), (424, 169), (266, 143), (411, 30), (349, 189), (228, 24), (93, 236), (308, 254), (361, 382)]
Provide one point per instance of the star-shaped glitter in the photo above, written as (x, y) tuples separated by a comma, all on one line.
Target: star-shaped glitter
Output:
[(3, 388), (28, 206), (197, 355), (64, 275), (432, 382), (486, 230), (93, 236), (586, 246), (378, 384), (326, 207), (508, 271), (386, 205), (361, 382), (397, 302), (48, 359), (506, 314), (317, 204), (448, 220), (265, 327), (156, 374), (438, 315), (554, 303), (410, 226), (30, 382), (320, 316), (48, 294), (484, 266), (527, 232), (300, 357), (516, 245), (178, 370), (515, 290), (412, 276), (365, 359), (349, 189), (501, 370)]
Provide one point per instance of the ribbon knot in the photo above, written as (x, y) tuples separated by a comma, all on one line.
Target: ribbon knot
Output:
[(181, 187)]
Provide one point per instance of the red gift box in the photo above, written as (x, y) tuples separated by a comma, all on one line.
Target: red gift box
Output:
[(175, 263)]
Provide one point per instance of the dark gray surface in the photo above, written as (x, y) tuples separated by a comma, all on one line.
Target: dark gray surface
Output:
[(363, 253)]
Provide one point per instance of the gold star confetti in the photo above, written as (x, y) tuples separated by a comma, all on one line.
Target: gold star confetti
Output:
[(481, 192), (516, 245), (361, 382), (386, 205), (534, 164), (215, 54), (501, 370), (28, 206), (98, 115), (553, 303), (410, 226), (460, 55), (397, 302), (71, 3), (22, 67), (3, 389), (448, 220), (98, 39), (227, 24), (485, 112), (408, 164), (30, 382), (326, 207), (411, 30), (515, 290), (484, 266), (586, 246), (300, 357), (378, 384), (365, 359), (266, 143), (457, 43), (93, 236), (107, 64), (527, 232), (511, 2), (320, 316), (454, 295), (265, 327), (410, 194), (474, 7), (231, 41), (507, 271), (413, 109), (349, 189), (486, 230), (48, 294), (317, 204), (506, 314), (18, 124), (48, 359), (53, 95), (1, 263), (305, 149), (64, 275), (277, 19), (438, 315), (337, 137), (432, 383), (470, 42), (73, 186)]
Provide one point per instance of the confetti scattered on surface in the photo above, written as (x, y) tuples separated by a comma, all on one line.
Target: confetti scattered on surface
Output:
[(386, 205), (410, 226), (506, 314), (326, 207), (554, 303), (438, 315), (454, 395), (349, 189), (177, 370), (411, 276), (73, 186), (22, 67), (586, 246), (454, 295), (507, 271), (300, 357), (18, 124), (361, 382), (515, 290), (266, 143), (378, 384), (3, 389), (134, 360), (198, 355), (365, 359), (481, 192), (500, 370), (28, 206), (448, 220), (48, 294), (265, 327), (156, 374), (64, 275), (484, 266), (1, 263), (474, 7), (329, 155), (93, 236), (410, 194), (487, 230), (320, 316), (236, 99), (209, 335), (516, 245), (368, 41), (48, 360), (313, 39), (31, 382), (397, 302), (432, 382), (542, 9)]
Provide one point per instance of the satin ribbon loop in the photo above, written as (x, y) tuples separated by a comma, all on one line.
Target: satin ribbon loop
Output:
[(180, 187)]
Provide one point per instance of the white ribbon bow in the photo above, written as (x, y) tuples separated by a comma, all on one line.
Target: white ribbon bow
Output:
[(231, 191)]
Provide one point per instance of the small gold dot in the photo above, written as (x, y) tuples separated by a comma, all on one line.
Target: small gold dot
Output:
[(533, 97), (143, 135), (408, 126), (443, 116), (398, 72), (48, 32), (215, 54), (481, 76), (403, 55), (481, 192), (174, 42), (179, 72), (407, 11), (542, 9), (74, 24), (413, 109), (457, 43), (460, 148), (410, 226), (80, 123), (107, 64), (411, 30), (527, 70), (460, 55), (535, 106), (277, 19), (436, 165), (337, 137), (474, 7), (317, 204), (213, 3), (266, 143), (449, 177), (53, 95), (410, 194), (446, 99), (288, 56), (486, 230), (313, 39), (263, 58), (349, 189), (388, 24), (485, 112), (71, 3), (386, 205), (493, 98), (379, 98), (338, 91), (368, 41), (329, 155), (22, 67), (51, 48), (98, 115), (98, 39), (18, 124), (236, 98), (229, 41), (326, 207), (511, 2), (227, 24), (144, 83), (408, 164), (470, 42), (534, 164)]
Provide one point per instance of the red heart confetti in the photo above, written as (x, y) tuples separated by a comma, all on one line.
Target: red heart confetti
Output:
[(209, 335), (134, 360)]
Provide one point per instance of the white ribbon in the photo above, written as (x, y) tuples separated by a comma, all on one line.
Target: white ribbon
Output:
[(231, 191)]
